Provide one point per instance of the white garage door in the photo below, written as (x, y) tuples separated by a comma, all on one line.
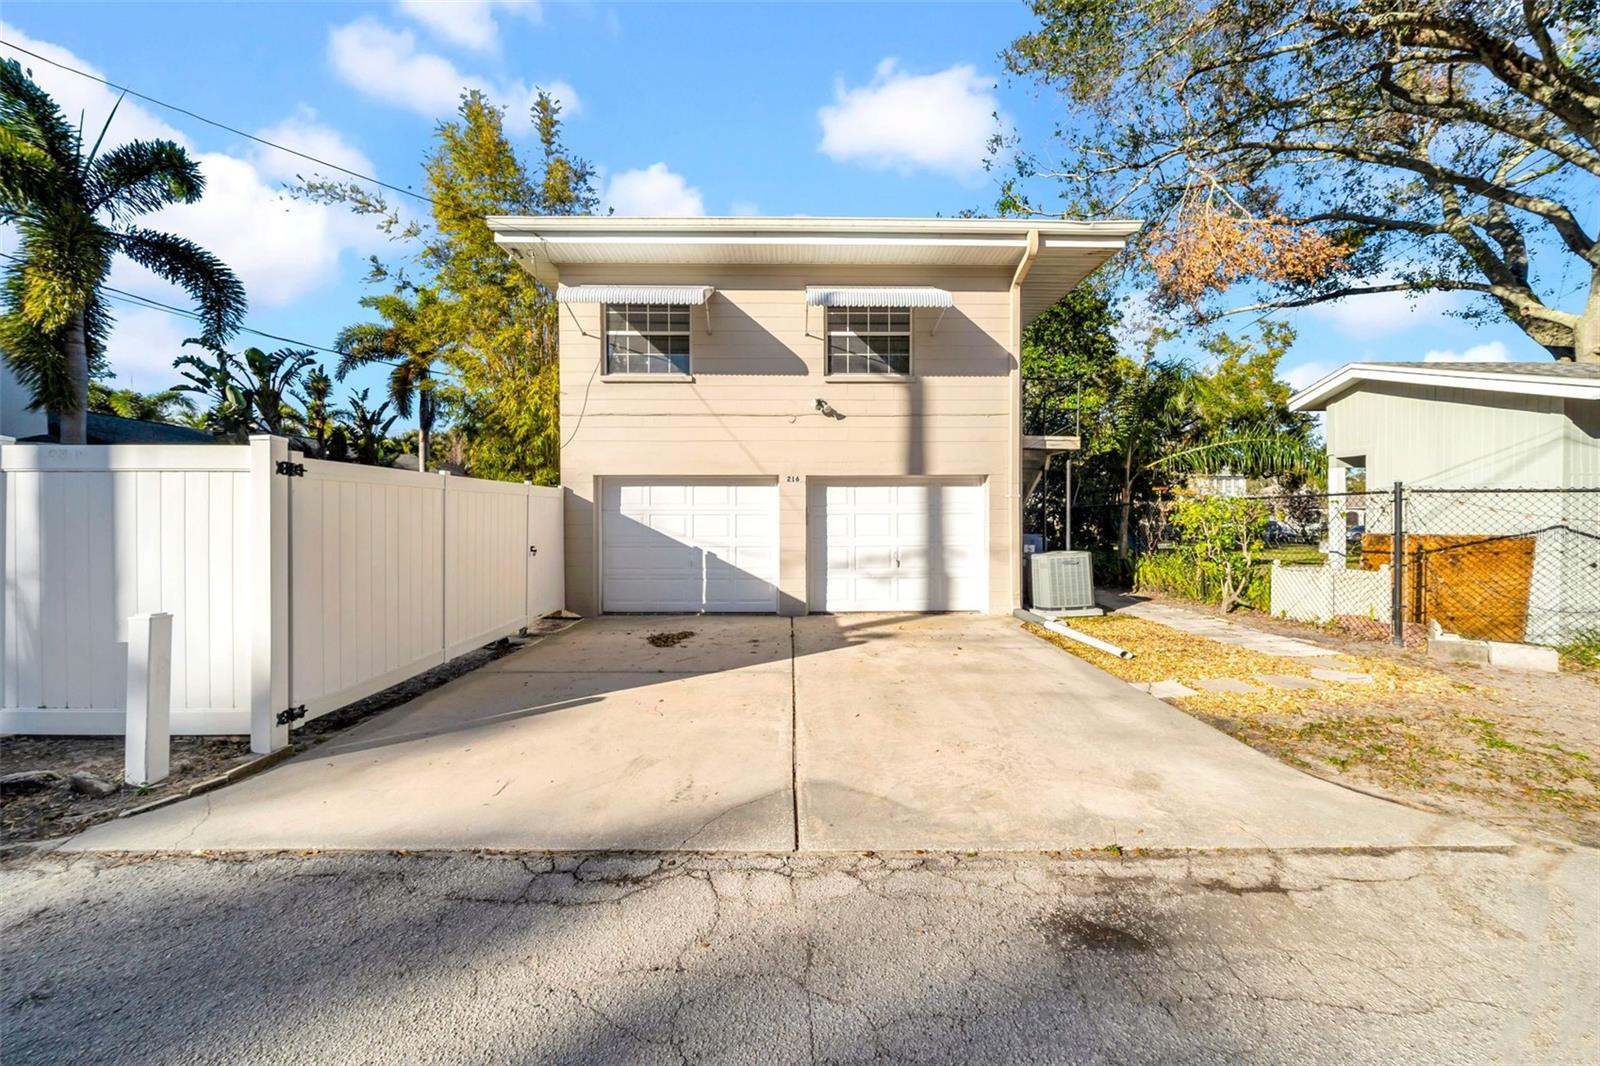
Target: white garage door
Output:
[(898, 546), (675, 545)]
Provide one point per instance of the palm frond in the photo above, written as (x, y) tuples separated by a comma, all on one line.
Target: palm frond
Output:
[(143, 176), (105, 128), (360, 344), (1252, 456), (28, 175), (217, 292), (30, 113)]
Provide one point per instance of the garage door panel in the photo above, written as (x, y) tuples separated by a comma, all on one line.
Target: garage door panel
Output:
[(899, 546), (689, 546), (711, 526)]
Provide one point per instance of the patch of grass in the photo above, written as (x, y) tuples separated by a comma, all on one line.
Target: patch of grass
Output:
[(1583, 650), (1293, 554), (1490, 737)]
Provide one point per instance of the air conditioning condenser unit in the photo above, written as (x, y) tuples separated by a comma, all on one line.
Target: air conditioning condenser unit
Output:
[(1062, 581)]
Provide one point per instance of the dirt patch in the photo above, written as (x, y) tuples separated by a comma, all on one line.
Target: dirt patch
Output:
[(59, 811), (1519, 751), (669, 640)]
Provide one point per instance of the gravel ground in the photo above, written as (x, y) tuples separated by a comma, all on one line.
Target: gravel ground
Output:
[(1414, 957), (59, 811)]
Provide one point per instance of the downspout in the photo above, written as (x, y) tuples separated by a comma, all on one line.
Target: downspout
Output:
[(1014, 419)]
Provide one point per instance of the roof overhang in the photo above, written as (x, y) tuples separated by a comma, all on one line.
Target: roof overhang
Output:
[(1068, 251), (1315, 397)]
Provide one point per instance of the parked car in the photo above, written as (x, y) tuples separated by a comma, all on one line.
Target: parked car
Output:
[(1288, 531)]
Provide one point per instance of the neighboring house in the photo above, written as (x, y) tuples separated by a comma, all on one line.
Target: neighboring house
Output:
[(1460, 425), (1483, 558), (16, 421), (798, 414), (36, 427)]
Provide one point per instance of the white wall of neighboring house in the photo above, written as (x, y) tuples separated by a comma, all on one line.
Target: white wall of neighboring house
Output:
[(16, 421), (1465, 438)]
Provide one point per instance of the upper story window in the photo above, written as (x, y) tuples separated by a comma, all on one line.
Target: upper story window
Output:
[(869, 340), (647, 338)]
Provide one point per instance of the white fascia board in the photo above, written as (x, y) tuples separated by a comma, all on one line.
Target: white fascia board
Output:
[(1315, 396), (1017, 229)]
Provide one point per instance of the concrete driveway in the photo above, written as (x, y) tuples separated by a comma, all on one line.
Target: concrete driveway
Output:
[(844, 732)]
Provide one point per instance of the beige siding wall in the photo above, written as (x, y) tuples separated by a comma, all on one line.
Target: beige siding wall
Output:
[(1450, 438), (751, 408)]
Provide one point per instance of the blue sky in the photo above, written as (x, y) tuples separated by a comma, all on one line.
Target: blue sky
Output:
[(823, 109)]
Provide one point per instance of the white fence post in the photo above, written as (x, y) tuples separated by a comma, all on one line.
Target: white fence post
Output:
[(147, 751), (1337, 505), (269, 584)]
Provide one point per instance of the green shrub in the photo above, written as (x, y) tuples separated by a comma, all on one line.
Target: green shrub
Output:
[(1215, 559)]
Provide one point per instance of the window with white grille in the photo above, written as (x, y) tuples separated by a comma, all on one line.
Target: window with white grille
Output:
[(647, 338), (869, 340)]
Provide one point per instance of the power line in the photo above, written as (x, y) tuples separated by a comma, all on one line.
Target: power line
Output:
[(146, 301), (213, 122), (131, 297)]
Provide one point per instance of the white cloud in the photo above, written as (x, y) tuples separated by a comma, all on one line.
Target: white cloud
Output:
[(386, 65), (653, 191), (469, 23), (302, 132), (1490, 352), (80, 96), (143, 346), (281, 249), (1305, 374), (940, 122), (744, 208), (1384, 313)]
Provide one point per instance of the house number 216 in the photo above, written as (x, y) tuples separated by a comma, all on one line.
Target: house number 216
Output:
[(791, 479)]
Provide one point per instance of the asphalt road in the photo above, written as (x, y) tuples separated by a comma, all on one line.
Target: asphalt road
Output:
[(1415, 957)]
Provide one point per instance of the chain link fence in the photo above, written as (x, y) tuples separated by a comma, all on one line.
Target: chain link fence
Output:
[(1518, 565)]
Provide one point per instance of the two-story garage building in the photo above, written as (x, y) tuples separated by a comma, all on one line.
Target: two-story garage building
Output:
[(797, 414)]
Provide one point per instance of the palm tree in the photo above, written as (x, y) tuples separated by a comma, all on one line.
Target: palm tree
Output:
[(319, 416), (410, 338), (168, 405), (369, 429), (72, 212), (270, 379), (228, 412), (249, 392)]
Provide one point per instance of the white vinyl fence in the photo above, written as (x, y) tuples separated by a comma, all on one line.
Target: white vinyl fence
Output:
[(1322, 593), (292, 592)]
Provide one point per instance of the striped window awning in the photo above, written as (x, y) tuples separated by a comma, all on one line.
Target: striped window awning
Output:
[(876, 296), (634, 294)]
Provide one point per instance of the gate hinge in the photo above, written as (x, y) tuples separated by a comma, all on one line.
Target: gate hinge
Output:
[(292, 714), (288, 469)]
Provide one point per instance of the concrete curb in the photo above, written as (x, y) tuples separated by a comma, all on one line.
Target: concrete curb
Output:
[(211, 784)]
